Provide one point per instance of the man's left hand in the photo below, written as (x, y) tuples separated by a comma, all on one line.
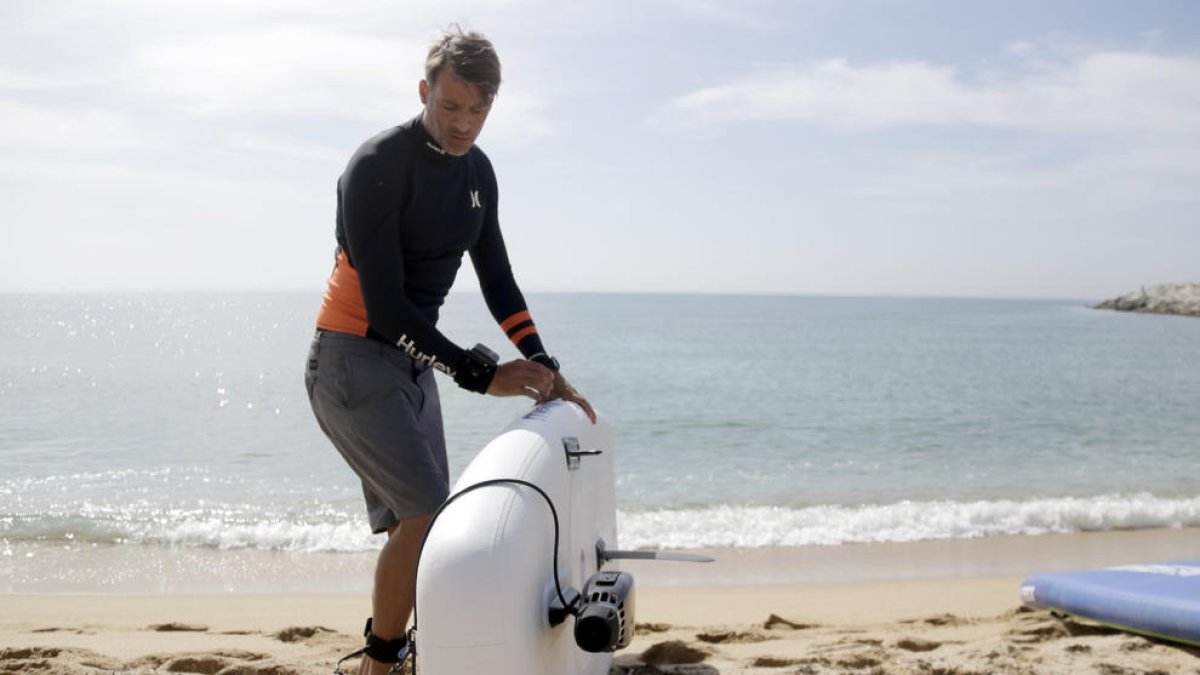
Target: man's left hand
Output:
[(563, 390)]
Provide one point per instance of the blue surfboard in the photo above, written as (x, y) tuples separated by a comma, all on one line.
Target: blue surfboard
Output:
[(1160, 600)]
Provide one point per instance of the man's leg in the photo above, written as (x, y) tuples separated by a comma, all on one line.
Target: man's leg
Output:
[(394, 594)]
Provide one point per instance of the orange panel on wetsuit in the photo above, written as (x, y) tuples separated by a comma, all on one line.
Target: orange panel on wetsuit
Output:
[(342, 308)]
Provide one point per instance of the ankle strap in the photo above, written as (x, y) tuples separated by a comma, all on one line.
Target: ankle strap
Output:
[(384, 651)]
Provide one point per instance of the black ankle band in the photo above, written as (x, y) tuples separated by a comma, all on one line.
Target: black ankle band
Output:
[(384, 651)]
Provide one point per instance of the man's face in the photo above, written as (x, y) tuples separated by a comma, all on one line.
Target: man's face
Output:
[(454, 111)]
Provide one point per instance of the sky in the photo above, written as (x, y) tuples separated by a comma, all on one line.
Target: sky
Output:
[(834, 147)]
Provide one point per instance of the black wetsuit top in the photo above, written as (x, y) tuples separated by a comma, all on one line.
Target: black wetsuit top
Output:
[(407, 211)]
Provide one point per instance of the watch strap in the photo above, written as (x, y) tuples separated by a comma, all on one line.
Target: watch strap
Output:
[(545, 360)]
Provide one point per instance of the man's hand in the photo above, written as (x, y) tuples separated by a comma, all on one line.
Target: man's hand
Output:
[(526, 378), (522, 378), (563, 389)]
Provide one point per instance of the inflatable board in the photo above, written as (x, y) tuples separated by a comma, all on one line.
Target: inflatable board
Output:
[(1160, 600), (486, 586)]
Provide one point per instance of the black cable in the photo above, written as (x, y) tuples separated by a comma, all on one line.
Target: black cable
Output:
[(487, 483)]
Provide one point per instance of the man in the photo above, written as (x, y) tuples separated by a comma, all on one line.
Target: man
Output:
[(411, 201)]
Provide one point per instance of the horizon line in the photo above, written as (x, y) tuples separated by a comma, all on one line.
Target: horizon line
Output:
[(477, 292)]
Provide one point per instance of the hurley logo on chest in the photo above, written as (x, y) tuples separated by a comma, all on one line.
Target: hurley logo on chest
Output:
[(475, 203)]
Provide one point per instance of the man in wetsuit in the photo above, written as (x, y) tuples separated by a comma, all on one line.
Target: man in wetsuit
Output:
[(411, 201)]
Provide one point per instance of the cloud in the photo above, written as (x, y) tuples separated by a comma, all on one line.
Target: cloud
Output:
[(516, 120), (86, 130), (282, 148), (239, 64), (1100, 130), (1144, 174), (1099, 92), (1019, 48), (12, 79), (294, 70), (160, 93), (309, 71), (748, 14)]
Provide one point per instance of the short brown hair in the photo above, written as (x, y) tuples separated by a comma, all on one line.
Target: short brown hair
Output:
[(471, 57)]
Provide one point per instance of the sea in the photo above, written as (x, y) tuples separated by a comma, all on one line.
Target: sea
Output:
[(163, 442)]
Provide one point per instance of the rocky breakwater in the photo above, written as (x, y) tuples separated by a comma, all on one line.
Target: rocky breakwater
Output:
[(1166, 299)]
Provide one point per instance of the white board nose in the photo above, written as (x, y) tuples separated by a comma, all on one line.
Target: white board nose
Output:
[(485, 581)]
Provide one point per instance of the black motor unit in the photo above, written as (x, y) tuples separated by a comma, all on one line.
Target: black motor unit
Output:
[(605, 619)]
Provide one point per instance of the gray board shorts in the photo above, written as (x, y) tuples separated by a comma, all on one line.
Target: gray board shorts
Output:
[(380, 409)]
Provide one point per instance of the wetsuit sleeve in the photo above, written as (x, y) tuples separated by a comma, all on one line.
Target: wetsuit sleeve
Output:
[(500, 291), (370, 196)]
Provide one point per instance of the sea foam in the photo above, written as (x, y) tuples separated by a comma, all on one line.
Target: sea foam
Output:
[(758, 526), (335, 530)]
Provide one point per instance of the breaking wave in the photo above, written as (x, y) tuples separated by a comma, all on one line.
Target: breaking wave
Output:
[(758, 526), (338, 530)]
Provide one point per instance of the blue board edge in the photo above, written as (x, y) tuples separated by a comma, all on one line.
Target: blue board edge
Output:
[(1158, 600)]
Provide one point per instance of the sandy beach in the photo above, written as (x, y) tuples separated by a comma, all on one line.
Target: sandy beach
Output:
[(963, 616)]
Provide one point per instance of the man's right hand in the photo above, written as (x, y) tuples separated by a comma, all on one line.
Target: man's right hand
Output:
[(522, 378)]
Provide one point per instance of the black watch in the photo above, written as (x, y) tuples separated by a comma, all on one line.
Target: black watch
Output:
[(477, 369), (484, 356), (545, 360)]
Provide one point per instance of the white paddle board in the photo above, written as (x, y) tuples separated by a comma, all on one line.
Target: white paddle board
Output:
[(485, 582)]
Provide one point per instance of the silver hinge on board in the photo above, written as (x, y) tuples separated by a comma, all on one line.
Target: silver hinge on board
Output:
[(571, 447)]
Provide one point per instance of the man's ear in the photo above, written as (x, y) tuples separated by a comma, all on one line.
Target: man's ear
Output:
[(423, 89)]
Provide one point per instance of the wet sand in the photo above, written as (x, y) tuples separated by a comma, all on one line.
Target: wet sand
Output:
[(931, 607)]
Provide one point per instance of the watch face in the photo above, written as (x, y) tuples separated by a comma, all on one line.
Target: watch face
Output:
[(486, 353)]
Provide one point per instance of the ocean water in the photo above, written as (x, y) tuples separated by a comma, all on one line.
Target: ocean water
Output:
[(164, 426)]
